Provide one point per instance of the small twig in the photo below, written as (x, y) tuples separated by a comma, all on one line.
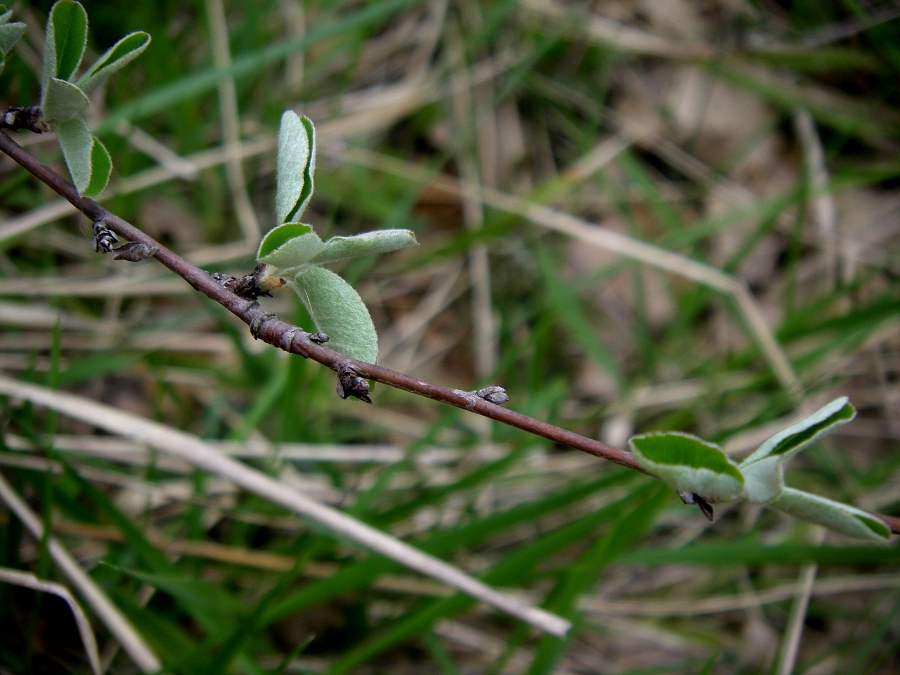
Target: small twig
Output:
[(295, 340)]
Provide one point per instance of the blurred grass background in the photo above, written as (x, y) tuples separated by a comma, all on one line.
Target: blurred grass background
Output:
[(756, 140)]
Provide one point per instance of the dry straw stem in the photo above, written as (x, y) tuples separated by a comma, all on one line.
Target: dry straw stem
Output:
[(484, 333), (106, 611), (630, 40), (790, 641), (118, 450), (205, 159), (743, 601), (395, 583), (824, 211), (231, 134), (619, 35), (200, 455), (294, 340), (27, 580), (160, 153)]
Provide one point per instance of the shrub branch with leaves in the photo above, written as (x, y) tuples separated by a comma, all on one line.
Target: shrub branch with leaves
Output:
[(64, 95), (292, 251), (698, 470), (701, 472)]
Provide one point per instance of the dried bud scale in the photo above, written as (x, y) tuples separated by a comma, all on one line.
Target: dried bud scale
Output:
[(103, 239), (134, 251), (351, 383), (493, 394)]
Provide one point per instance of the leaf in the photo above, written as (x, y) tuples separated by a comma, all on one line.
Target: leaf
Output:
[(210, 604), (86, 157), (101, 168), (847, 520), (10, 34), (116, 57), (294, 252), (7, 14), (370, 243), (295, 166), (339, 312), (279, 235), (62, 101), (764, 469), (64, 41), (689, 464), (755, 552)]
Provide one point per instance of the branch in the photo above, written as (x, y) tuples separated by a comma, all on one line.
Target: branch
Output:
[(295, 340)]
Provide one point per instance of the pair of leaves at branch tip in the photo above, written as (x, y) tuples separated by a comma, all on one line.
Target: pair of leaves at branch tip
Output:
[(293, 251), (292, 247), (63, 100), (9, 34), (692, 465)]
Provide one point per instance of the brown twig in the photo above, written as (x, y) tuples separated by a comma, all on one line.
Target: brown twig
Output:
[(295, 340)]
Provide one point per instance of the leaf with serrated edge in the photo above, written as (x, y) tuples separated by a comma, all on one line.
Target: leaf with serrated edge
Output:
[(62, 101), (689, 464), (370, 243), (294, 166), (339, 312), (77, 143), (64, 41), (101, 168), (279, 235), (764, 469), (295, 253), (835, 516), (10, 34), (115, 58)]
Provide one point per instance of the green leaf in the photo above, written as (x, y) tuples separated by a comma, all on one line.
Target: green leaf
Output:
[(370, 243), (277, 236), (101, 168), (64, 41), (689, 464), (87, 159), (139, 546), (213, 607), (10, 34), (339, 312), (7, 14), (295, 166), (62, 101), (756, 553), (582, 573), (296, 252), (116, 57), (847, 520), (764, 469)]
